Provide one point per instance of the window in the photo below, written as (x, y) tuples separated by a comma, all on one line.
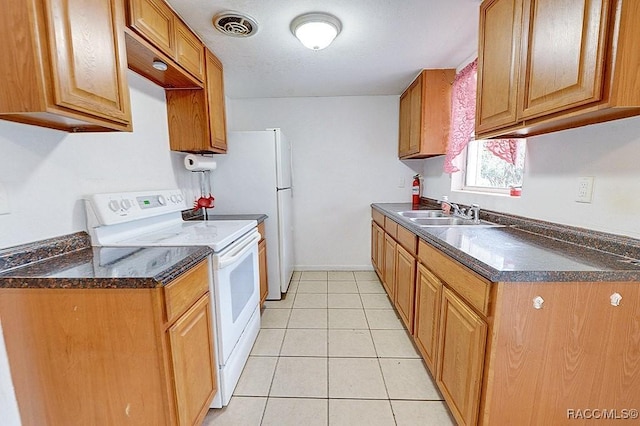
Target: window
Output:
[(479, 165), (493, 166)]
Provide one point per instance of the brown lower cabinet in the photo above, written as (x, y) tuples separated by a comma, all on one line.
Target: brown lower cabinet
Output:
[(405, 286), (377, 248), (461, 350), (427, 315), (262, 265), (515, 353), (112, 356), (389, 271)]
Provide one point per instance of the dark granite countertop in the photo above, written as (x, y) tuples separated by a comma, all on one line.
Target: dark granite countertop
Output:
[(82, 266), (515, 253)]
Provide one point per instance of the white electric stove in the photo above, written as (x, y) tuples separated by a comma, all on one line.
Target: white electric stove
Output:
[(154, 218)]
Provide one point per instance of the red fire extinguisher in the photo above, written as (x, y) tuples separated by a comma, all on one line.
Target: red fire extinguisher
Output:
[(415, 191)]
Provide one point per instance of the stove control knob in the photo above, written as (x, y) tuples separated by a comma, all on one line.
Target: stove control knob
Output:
[(114, 206), (161, 200), (179, 197), (174, 198), (125, 204)]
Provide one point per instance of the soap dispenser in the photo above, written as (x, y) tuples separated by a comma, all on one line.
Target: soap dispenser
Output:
[(444, 205)]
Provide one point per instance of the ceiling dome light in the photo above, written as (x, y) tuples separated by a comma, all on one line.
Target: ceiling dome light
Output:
[(316, 30)]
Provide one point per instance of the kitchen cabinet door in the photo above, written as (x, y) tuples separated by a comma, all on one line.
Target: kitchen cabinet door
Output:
[(462, 343), (562, 69), (380, 251), (389, 277), (405, 286), (415, 115), (262, 265), (153, 19), (215, 94), (86, 79), (427, 316), (405, 124), (425, 109), (191, 340), (68, 65), (498, 63), (377, 248), (374, 246), (189, 50)]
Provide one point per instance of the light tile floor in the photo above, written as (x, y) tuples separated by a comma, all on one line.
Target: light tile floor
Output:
[(333, 352)]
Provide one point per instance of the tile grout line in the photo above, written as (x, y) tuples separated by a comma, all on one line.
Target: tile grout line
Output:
[(286, 327)]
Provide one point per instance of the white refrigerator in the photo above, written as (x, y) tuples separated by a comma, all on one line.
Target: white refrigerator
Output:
[(255, 177)]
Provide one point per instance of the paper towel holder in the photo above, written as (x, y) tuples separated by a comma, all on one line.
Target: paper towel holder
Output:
[(199, 163)]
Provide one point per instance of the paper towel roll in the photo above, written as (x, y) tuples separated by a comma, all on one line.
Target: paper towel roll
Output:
[(198, 163)]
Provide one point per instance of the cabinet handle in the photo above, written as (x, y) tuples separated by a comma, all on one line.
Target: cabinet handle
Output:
[(615, 299), (537, 302)]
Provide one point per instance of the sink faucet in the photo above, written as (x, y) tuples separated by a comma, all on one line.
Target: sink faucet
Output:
[(471, 213), (474, 212)]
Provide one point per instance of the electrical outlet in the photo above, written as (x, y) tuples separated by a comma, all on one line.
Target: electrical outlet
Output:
[(4, 200), (401, 182), (585, 189)]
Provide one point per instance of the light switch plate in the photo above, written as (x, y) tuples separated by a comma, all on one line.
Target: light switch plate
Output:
[(4, 200), (585, 189)]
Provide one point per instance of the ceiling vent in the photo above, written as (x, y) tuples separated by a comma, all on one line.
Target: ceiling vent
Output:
[(235, 24)]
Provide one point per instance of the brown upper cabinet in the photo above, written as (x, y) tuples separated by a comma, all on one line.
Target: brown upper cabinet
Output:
[(425, 109), (156, 32), (196, 117), (54, 76), (215, 93), (193, 78), (545, 66)]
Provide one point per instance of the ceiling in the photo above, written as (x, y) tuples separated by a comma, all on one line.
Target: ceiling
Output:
[(382, 46)]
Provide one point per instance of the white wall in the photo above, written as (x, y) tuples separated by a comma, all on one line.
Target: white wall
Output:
[(47, 172), (608, 151), (344, 158)]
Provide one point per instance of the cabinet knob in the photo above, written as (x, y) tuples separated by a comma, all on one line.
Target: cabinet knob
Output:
[(537, 302), (615, 299)]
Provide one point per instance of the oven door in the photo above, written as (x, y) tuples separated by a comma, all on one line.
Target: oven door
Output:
[(236, 285)]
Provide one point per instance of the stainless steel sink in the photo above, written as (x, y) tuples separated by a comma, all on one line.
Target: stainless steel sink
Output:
[(449, 221), (419, 214), (436, 218)]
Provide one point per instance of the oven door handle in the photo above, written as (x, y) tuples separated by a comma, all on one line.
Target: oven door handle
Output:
[(243, 247)]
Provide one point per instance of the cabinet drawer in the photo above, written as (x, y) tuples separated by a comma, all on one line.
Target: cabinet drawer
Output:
[(407, 239), (181, 293), (472, 288), (377, 217), (261, 231), (390, 227)]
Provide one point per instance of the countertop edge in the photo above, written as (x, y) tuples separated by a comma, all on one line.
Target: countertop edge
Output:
[(183, 266), (84, 283)]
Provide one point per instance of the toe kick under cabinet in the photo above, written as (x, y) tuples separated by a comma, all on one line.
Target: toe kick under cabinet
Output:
[(513, 353), (111, 356)]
